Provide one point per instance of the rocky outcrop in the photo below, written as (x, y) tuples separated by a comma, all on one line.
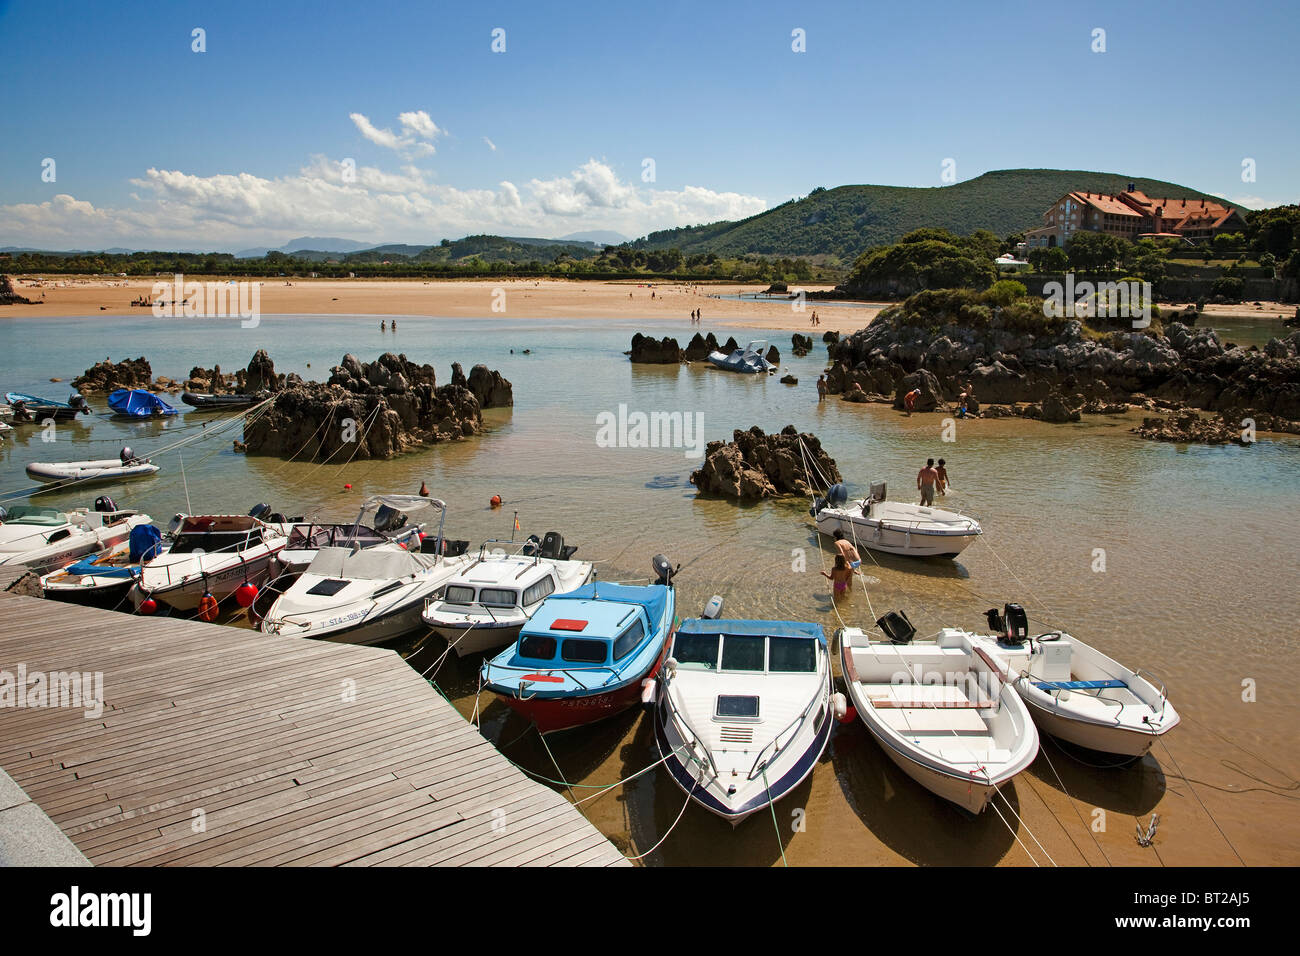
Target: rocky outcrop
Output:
[(1056, 408), (801, 344), (1189, 427), (211, 380), (830, 337), (755, 465), (366, 410), (789, 380), (930, 398), (1184, 367), (490, 387), (773, 355), (108, 376), (9, 295), (260, 374), (649, 351), (699, 347)]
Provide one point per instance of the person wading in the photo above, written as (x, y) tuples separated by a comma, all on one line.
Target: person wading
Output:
[(846, 550), (925, 480)]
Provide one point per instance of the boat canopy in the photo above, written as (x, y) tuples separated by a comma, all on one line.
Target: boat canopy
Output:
[(600, 607), (753, 628), (380, 563)]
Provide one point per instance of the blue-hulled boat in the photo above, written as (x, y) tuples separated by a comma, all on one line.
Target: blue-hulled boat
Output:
[(586, 654), (138, 403), (38, 409), (744, 710)]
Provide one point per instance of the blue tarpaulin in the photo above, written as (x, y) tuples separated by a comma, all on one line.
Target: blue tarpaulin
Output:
[(137, 403)]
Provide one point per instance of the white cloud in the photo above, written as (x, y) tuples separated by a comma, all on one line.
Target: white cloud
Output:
[(417, 126), (174, 209), (491, 145), (419, 123)]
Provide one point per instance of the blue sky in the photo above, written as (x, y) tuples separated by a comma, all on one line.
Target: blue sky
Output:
[(247, 143)]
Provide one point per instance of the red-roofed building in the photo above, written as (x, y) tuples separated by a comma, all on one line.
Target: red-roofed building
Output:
[(1132, 215)]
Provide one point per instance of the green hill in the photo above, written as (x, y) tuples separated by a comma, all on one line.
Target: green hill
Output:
[(848, 219)]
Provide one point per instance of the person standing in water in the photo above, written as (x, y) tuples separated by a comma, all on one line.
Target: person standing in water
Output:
[(845, 547), (925, 480), (942, 473), (909, 401), (840, 576), (383, 326)]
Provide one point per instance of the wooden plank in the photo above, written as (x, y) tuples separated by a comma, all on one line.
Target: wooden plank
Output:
[(252, 729)]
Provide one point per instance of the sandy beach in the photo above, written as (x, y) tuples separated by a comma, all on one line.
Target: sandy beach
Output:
[(658, 302)]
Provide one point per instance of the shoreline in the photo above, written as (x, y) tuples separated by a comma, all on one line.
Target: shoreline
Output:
[(71, 296)]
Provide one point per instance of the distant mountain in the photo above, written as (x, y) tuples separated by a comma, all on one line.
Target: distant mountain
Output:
[(848, 219), (311, 243), (601, 237)]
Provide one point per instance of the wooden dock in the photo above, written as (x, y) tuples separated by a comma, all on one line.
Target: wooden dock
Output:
[(225, 746)]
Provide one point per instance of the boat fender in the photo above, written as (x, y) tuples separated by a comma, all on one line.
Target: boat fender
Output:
[(148, 606), (839, 706), (245, 594), (850, 715), (649, 687), (208, 607), (670, 667)]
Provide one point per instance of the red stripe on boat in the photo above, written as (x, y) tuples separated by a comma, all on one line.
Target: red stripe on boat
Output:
[(550, 678), (568, 624)]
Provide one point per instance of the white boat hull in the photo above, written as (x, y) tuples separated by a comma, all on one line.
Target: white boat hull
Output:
[(75, 546), (183, 593), (88, 472), (888, 539), (922, 705), (1128, 724)]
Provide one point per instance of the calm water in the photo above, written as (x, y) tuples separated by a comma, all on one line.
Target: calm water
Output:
[(1199, 583)]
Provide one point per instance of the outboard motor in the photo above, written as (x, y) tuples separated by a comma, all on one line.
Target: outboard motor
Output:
[(388, 519), (105, 504), (78, 401), (4, 514), (836, 495), (552, 545), (126, 454), (1017, 622), (260, 510), (897, 627), (996, 624), (664, 569)]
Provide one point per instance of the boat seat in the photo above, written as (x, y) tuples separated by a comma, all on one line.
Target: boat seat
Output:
[(932, 720), (1078, 684)]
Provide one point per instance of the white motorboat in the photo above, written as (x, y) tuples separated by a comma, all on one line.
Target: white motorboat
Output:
[(894, 527), (749, 360), (308, 537), (1074, 691), (744, 710), (46, 538), (484, 606), (940, 710), (360, 595), (210, 555), (105, 579)]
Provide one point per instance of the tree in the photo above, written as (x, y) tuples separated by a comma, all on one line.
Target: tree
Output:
[(1094, 251), (1049, 260)]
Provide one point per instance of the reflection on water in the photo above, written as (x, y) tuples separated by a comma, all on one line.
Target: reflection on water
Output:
[(1195, 543)]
